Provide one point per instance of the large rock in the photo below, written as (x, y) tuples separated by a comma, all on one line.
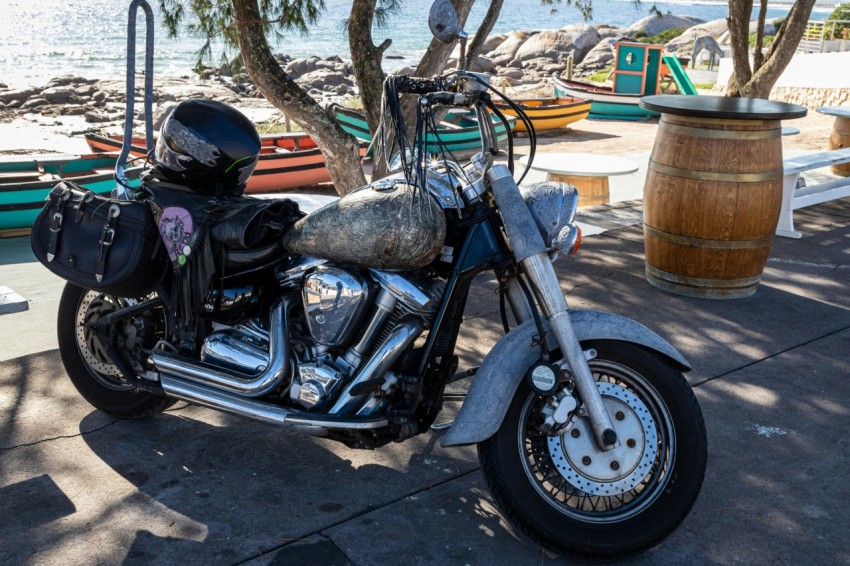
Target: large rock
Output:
[(555, 45), (58, 95), (605, 31), (599, 57), (654, 24), (19, 96), (508, 48), (684, 44)]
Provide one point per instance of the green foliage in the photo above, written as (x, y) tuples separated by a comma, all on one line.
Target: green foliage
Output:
[(584, 7), (838, 30), (766, 41), (213, 20), (601, 76), (660, 38), (639, 34)]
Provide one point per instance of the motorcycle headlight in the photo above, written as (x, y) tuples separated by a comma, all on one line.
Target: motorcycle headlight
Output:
[(553, 207)]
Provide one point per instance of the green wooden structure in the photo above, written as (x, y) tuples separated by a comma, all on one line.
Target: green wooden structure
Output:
[(637, 68)]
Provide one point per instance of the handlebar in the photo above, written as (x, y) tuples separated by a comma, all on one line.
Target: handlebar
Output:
[(416, 85)]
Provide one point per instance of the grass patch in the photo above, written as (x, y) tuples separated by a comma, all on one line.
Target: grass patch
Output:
[(601, 76), (662, 37), (704, 86)]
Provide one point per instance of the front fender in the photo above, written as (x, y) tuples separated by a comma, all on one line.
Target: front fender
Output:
[(507, 363)]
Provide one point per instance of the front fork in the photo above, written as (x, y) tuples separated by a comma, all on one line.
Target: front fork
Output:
[(531, 253)]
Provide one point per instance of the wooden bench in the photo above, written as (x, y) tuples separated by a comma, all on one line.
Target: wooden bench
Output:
[(794, 198)]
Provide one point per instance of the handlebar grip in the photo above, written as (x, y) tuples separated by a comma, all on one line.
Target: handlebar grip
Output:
[(417, 85)]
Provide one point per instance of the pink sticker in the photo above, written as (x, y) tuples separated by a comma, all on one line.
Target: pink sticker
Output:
[(175, 226)]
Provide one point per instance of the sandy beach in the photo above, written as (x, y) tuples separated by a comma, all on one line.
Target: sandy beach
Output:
[(38, 134)]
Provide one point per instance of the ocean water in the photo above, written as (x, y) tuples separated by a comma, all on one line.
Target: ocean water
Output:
[(42, 39)]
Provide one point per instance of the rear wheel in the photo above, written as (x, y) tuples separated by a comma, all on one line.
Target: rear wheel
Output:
[(575, 499), (89, 367)]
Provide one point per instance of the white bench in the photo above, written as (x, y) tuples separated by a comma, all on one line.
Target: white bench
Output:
[(794, 198)]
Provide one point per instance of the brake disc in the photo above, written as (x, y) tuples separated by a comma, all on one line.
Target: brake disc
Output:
[(619, 470)]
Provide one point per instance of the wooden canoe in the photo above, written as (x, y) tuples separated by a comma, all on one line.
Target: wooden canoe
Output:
[(548, 113), (287, 161), (26, 180), (458, 131), (606, 104)]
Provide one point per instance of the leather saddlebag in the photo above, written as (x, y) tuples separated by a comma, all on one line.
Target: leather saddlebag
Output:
[(99, 243)]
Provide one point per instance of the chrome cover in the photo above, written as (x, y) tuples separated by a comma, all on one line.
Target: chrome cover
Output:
[(553, 207), (316, 382), (414, 297), (334, 303), (236, 350)]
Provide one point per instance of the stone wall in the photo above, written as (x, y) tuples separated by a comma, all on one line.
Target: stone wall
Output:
[(812, 97)]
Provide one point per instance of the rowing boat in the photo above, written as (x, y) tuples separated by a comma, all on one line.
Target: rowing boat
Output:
[(287, 161), (26, 180), (548, 113), (457, 133), (606, 103)]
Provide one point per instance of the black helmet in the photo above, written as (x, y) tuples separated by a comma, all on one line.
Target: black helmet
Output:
[(208, 146)]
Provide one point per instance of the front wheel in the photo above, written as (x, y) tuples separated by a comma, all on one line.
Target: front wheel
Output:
[(88, 366), (577, 500)]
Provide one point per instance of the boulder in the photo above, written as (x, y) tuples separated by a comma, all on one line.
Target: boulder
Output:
[(493, 42), (511, 73), (606, 31), (508, 48), (93, 117), (599, 57), (34, 103), (163, 111), (17, 95), (684, 44), (577, 38), (654, 24), (57, 95), (296, 68)]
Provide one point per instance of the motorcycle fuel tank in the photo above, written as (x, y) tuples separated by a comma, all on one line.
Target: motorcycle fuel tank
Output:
[(385, 225)]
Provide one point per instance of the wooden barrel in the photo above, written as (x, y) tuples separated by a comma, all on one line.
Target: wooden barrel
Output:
[(840, 138), (711, 204)]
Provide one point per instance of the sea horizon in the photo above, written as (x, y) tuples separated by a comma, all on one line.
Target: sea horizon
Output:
[(88, 39)]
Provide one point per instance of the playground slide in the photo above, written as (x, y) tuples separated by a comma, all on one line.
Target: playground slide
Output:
[(679, 75)]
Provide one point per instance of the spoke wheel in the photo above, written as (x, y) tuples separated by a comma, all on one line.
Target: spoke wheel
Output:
[(576, 499)]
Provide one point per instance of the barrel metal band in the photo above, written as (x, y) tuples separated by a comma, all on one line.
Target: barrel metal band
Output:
[(706, 243), (694, 120), (713, 176), (710, 133), (700, 281)]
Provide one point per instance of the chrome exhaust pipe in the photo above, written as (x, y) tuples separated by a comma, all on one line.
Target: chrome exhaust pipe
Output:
[(316, 424), (400, 337), (175, 366)]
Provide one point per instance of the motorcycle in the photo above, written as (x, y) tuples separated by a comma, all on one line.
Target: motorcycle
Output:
[(343, 323)]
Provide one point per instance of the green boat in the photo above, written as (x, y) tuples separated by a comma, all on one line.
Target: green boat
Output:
[(458, 131), (605, 103), (26, 180)]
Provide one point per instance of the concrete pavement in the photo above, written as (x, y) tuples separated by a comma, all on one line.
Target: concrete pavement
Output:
[(192, 486)]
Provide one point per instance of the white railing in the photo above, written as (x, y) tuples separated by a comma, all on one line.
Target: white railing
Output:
[(825, 36)]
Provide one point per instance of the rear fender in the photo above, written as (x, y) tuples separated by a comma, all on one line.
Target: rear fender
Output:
[(497, 379)]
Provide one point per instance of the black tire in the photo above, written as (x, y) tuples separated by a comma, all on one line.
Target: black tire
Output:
[(535, 477), (89, 368)]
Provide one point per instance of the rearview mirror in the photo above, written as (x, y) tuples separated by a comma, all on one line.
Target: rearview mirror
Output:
[(442, 19)]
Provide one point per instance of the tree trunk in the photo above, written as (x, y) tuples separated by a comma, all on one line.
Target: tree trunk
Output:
[(482, 32), (340, 149), (739, 36), (366, 61), (758, 56), (759, 84)]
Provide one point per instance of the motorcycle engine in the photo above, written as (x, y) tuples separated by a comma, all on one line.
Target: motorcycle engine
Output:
[(345, 315)]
